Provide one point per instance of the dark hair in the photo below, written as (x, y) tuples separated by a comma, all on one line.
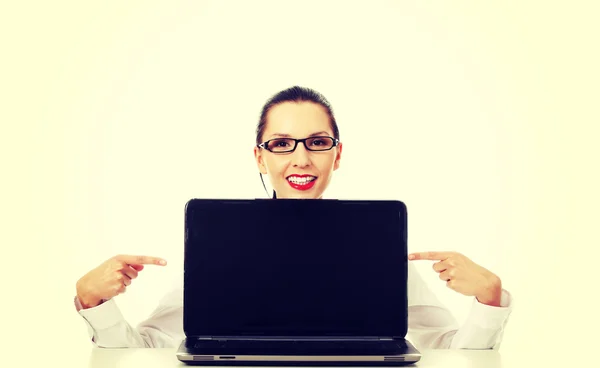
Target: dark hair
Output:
[(295, 94)]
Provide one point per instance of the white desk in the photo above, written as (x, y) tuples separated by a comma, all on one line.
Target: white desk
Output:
[(164, 358)]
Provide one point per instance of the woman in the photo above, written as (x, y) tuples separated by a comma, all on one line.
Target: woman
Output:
[(298, 147)]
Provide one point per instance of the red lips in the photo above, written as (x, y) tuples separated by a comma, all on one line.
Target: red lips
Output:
[(302, 186)]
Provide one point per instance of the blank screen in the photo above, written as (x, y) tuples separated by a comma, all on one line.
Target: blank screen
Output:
[(295, 268)]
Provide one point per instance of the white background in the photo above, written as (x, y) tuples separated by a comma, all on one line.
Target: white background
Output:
[(481, 117)]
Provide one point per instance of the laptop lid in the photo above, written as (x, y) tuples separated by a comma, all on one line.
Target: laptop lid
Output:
[(302, 268)]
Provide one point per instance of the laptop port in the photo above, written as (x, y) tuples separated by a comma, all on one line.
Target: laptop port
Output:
[(226, 357)]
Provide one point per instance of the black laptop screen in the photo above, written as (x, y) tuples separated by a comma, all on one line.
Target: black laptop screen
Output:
[(295, 268)]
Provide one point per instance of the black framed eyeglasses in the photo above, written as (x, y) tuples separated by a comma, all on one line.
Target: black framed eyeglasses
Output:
[(286, 145)]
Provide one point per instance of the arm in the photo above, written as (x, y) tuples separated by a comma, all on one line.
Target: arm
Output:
[(108, 329), (431, 325), (106, 325)]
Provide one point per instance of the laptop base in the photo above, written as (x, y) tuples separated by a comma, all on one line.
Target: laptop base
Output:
[(194, 351)]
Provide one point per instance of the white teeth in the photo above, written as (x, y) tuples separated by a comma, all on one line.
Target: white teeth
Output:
[(301, 181)]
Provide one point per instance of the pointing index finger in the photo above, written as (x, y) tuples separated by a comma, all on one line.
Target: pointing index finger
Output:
[(431, 256), (141, 260)]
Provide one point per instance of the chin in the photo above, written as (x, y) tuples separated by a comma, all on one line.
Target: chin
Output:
[(298, 195)]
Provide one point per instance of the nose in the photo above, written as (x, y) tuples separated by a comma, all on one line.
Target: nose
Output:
[(301, 156)]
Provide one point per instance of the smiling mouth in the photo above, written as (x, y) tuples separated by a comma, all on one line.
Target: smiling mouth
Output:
[(301, 180), (304, 182)]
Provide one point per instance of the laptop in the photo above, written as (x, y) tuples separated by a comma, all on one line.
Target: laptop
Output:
[(295, 282)]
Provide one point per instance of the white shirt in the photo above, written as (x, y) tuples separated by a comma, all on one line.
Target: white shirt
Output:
[(430, 324)]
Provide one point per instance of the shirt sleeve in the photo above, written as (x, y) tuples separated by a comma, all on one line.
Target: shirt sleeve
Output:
[(108, 328), (432, 326), (484, 326)]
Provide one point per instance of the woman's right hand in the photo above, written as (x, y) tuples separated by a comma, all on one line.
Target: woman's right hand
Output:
[(111, 278)]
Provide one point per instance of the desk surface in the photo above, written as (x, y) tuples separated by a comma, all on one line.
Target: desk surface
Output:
[(149, 358)]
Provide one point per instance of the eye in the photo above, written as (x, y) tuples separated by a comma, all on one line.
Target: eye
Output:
[(281, 145), (321, 143)]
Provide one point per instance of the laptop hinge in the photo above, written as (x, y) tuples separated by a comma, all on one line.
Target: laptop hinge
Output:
[(323, 338)]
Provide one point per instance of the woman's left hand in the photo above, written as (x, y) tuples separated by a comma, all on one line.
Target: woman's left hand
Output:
[(464, 276)]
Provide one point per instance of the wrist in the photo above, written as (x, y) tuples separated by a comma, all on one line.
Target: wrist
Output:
[(492, 293), (86, 300), (86, 303)]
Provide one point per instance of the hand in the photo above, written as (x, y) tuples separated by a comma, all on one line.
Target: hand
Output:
[(464, 276), (111, 278)]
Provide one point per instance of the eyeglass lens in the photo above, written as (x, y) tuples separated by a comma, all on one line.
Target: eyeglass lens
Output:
[(312, 144)]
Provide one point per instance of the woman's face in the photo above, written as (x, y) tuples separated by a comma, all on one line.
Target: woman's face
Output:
[(301, 173)]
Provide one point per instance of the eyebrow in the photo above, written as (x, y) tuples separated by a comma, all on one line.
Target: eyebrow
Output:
[(311, 135)]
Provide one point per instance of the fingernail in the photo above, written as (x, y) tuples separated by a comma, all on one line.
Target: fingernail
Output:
[(162, 262), (410, 256)]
